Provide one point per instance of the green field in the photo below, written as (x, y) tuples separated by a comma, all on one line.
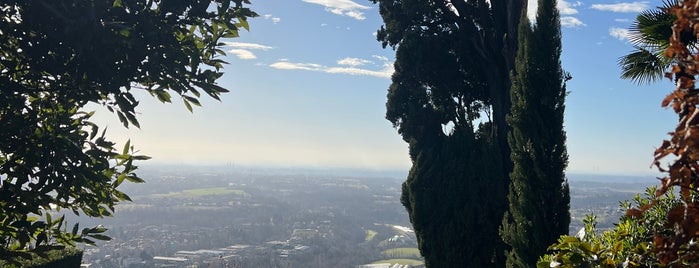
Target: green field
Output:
[(204, 192), (410, 262), (401, 253), (370, 234)]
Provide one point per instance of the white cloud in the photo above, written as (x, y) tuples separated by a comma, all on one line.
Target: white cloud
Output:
[(355, 14), (567, 8), (342, 7), (274, 20), (242, 45), (354, 62), (285, 65), (385, 72), (619, 33), (634, 7), (242, 50), (243, 54), (622, 20), (564, 8), (571, 22), (381, 58)]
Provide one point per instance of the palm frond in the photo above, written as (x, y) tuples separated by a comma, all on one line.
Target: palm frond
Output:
[(643, 66), (653, 28)]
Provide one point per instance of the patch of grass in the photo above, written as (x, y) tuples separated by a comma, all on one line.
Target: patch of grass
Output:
[(370, 234), (410, 262), (402, 253)]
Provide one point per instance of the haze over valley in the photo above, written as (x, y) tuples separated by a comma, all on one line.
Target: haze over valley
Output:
[(273, 217)]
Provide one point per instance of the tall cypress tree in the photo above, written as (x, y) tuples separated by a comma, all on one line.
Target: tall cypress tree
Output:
[(538, 196)]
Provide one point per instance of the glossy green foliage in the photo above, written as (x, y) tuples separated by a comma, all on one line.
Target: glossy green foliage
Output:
[(57, 56), (629, 244)]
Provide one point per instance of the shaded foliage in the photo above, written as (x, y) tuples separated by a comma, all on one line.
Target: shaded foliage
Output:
[(452, 218), (450, 95), (57, 56), (538, 194), (64, 258)]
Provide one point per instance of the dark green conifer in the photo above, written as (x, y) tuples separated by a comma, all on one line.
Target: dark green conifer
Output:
[(538, 196)]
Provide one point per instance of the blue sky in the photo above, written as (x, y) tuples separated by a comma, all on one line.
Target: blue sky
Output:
[(308, 88)]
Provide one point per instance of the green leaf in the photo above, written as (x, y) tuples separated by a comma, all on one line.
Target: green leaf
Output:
[(243, 23), (231, 34), (141, 157), (117, 3), (193, 100), (122, 119), (135, 179), (100, 237), (75, 229), (163, 96), (125, 151), (187, 105), (120, 179)]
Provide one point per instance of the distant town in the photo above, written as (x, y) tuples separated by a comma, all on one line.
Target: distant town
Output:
[(236, 217)]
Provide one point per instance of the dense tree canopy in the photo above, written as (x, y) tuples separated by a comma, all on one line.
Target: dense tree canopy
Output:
[(455, 83), (449, 100), (57, 56)]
